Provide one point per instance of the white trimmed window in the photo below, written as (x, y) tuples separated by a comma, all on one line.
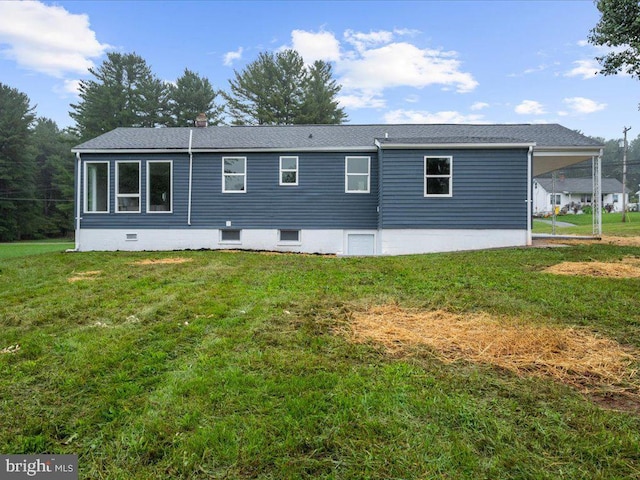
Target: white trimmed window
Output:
[(159, 186), (357, 177), (437, 176), (288, 171), (128, 187), (230, 236), (555, 196), (96, 187), (289, 236), (234, 174)]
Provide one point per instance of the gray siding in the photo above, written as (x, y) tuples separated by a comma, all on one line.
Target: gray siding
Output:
[(318, 201), (489, 190)]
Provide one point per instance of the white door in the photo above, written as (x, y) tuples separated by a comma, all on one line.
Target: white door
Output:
[(360, 244)]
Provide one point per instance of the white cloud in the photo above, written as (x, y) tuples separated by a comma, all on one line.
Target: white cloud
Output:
[(416, 116), (403, 64), (47, 39), (412, 99), (479, 106), (581, 105), (230, 57), (362, 41), (584, 68), (316, 46), (530, 107), (361, 100)]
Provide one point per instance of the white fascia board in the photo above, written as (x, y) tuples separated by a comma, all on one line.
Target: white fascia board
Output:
[(567, 151), (368, 148), (457, 146)]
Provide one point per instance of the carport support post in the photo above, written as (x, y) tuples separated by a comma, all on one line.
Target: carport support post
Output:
[(624, 174), (596, 199)]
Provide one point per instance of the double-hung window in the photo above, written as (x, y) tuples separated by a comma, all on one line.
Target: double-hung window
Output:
[(96, 187), (159, 183), (234, 174), (128, 187), (357, 174), (289, 171), (438, 176)]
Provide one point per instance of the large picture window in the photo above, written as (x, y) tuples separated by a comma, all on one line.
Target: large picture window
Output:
[(357, 178), (96, 187), (159, 186), (234, 174), (437, 176), (128, 187), (288, 170)]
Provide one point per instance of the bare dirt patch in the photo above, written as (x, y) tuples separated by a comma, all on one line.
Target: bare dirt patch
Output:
[(90, 275), (629, 267), (574, 356), (604, 240), (163, 261)]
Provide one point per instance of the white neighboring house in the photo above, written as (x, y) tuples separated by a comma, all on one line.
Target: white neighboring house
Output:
[(576, 191)]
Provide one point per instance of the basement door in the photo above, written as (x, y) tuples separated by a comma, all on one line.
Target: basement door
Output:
[(361, 244)]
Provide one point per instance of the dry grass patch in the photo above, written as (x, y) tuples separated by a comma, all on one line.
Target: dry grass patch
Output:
[(163, 261), (603, 240), (629, 267), (90, 275), (571, 355)]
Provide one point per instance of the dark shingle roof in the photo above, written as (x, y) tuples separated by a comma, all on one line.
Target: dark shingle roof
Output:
[(580, 185), (323, 137)]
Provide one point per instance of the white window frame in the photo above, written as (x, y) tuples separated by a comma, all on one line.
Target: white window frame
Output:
[(558, 198), (289, 242), (128, 195), (449, 176), (243, 175), (347, 174), (288, 170), (231, 242), (148, 186), (86, 190)]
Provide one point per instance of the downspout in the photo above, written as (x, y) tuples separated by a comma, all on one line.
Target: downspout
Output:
[(78, 200), (190, 176), (529, 199)]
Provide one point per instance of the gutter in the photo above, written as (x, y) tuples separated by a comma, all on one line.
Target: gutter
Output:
[(190, 176), (529, 199)]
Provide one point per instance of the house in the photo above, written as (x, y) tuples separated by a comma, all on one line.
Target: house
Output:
[(572, 193), (341, 189)]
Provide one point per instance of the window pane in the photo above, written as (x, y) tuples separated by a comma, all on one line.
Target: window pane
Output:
[(289, 235), (437, 186), (289, 177), (230, 235), (438, 166), (357, 165), (97, 187), (234, 183), (288, 163), (357, 183), (128, 204), (160, 186), (234, 165), (128, 178)]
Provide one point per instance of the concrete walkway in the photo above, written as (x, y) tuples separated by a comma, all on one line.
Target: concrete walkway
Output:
[(558, 224)]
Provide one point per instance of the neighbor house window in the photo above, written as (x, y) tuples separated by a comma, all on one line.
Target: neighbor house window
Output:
[(357, 178), (230, 236), (558, 199), (128, 187), (96, 187), (234, 174), (288, 170), (159, 195), (437, 176), (290, 236), (585, 199), (616, 198)]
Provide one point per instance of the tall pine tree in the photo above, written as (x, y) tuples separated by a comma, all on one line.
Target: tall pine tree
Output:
[(190, 96), (124, 93)]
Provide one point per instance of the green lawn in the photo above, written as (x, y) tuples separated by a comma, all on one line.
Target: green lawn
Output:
[(228, 366), (611, 225), (22, 249)]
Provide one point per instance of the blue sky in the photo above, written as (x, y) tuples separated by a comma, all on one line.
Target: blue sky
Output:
[(424, 61)]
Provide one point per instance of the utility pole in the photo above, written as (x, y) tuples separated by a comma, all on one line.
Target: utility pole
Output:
[(624, 174)]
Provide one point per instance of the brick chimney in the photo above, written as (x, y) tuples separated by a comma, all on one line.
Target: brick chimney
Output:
[(201, 120)]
